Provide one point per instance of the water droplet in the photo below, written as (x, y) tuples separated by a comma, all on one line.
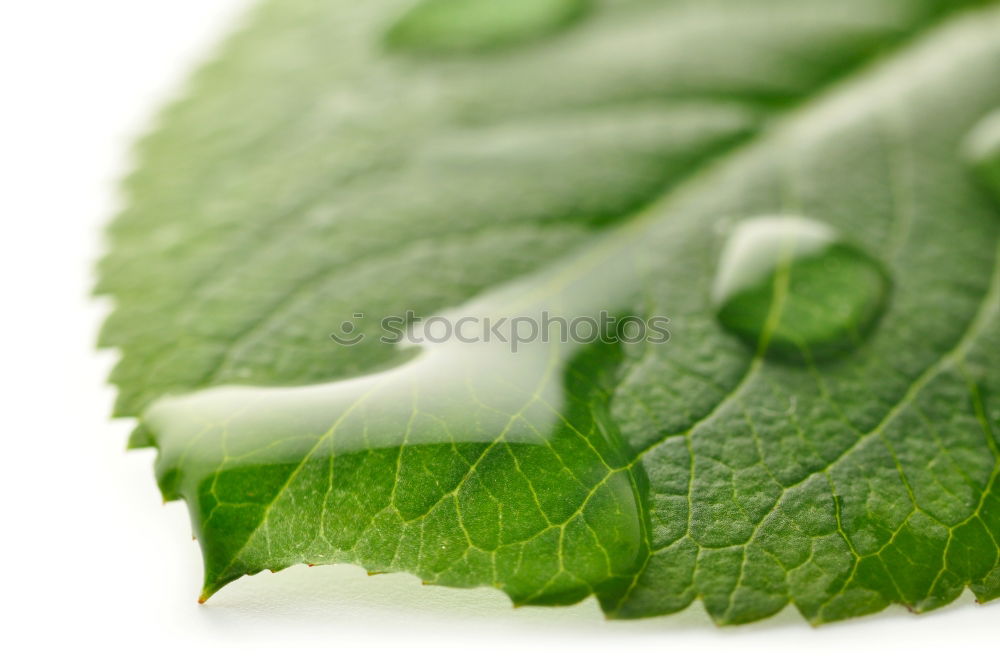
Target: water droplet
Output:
[(792, 287), (442, 26), (982, 148)]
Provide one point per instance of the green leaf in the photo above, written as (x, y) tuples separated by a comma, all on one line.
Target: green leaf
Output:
[(470, 25), (797, 185)]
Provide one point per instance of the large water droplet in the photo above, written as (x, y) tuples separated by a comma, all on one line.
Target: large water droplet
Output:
[(441, 26), (982, 148), (794, 288)]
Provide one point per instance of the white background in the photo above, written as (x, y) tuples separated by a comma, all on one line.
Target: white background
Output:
[(92, 563)]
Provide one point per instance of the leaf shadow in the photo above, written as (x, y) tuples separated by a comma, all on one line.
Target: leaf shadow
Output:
[(315, 598), (321, 599)]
